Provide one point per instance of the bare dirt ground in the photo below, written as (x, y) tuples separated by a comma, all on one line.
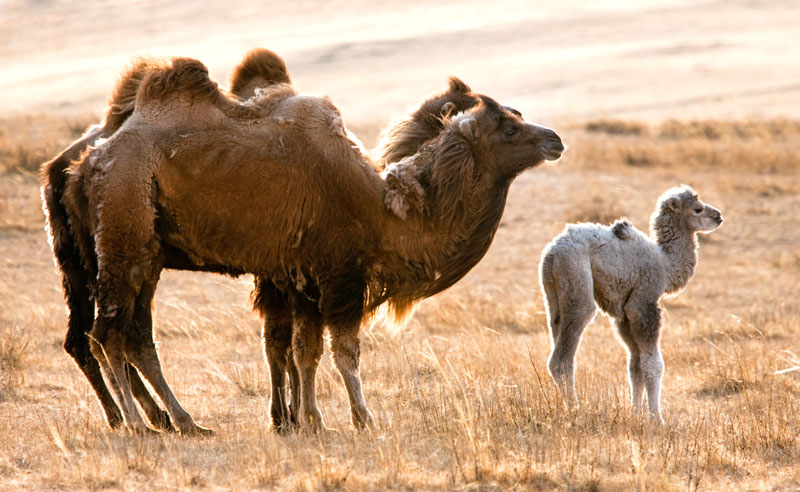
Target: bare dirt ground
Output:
[(647, 95)]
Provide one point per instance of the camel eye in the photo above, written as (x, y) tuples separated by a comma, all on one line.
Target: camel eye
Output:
[(510, 132), (698, 210)]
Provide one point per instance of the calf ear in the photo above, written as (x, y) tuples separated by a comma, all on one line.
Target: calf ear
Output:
[(469, 128), (673, 203)]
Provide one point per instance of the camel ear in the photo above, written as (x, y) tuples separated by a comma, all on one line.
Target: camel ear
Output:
[(447, 108), (673, 203), (456, 85), (469, 128)]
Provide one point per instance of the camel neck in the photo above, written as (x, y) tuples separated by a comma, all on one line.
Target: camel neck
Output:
[(436, 253), (679, 247)]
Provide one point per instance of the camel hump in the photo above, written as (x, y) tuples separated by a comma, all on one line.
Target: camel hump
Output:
[(123, 97), (622, 229), (260, 67), (185, 76)]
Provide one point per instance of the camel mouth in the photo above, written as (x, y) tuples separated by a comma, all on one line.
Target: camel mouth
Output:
[(553, 151)]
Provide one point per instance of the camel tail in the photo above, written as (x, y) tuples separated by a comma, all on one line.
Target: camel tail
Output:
[(53, 179)]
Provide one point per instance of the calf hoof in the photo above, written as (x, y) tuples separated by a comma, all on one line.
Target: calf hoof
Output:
[(364, 421)]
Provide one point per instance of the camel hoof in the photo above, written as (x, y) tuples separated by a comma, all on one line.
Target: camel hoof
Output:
[(196, 430), (364, 424), (284, 428), (163, 423), (141, 431)]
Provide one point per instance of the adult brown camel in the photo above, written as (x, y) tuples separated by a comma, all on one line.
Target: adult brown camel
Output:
[(74, 247), (78, 264), (336, 241)]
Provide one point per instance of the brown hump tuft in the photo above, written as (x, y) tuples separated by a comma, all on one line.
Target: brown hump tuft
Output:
[(259, 63), (186, 75), (123, 97)]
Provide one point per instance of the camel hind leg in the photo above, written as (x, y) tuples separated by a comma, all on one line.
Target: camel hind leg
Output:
[(550, 293), (75, 277), (143, 321), (574, 295)]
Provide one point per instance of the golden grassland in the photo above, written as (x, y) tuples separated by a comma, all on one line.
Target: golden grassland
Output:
[(462, 394)]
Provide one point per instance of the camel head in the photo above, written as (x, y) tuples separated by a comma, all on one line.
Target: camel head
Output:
[(684, 204), (503, 141)]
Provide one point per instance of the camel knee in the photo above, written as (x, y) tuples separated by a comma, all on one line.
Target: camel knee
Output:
[(652, 368), (77, 346), (346, 348), (561, 370)]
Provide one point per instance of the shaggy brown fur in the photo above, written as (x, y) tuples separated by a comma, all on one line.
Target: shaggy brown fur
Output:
[(74, 247), (260, 68), (79, 269), (295, 202), (406, 136)]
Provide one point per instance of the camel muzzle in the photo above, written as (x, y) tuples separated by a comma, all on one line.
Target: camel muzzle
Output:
[(552, 147)]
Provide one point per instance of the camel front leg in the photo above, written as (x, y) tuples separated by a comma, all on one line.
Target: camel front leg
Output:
[(141, 352), (277, 339), (634, 364), (652, 368), (106, 345), (345, 345), (307, 345), (644, 319), (145, 358)]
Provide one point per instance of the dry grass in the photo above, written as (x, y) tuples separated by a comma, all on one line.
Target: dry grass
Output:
[(462, 395)]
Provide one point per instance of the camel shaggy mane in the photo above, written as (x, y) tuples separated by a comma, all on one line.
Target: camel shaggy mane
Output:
[(625, 273), (407, 135)]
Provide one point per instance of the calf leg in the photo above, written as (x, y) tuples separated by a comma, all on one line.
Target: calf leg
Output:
[(634, 361), (576, 308), (645, 324)]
